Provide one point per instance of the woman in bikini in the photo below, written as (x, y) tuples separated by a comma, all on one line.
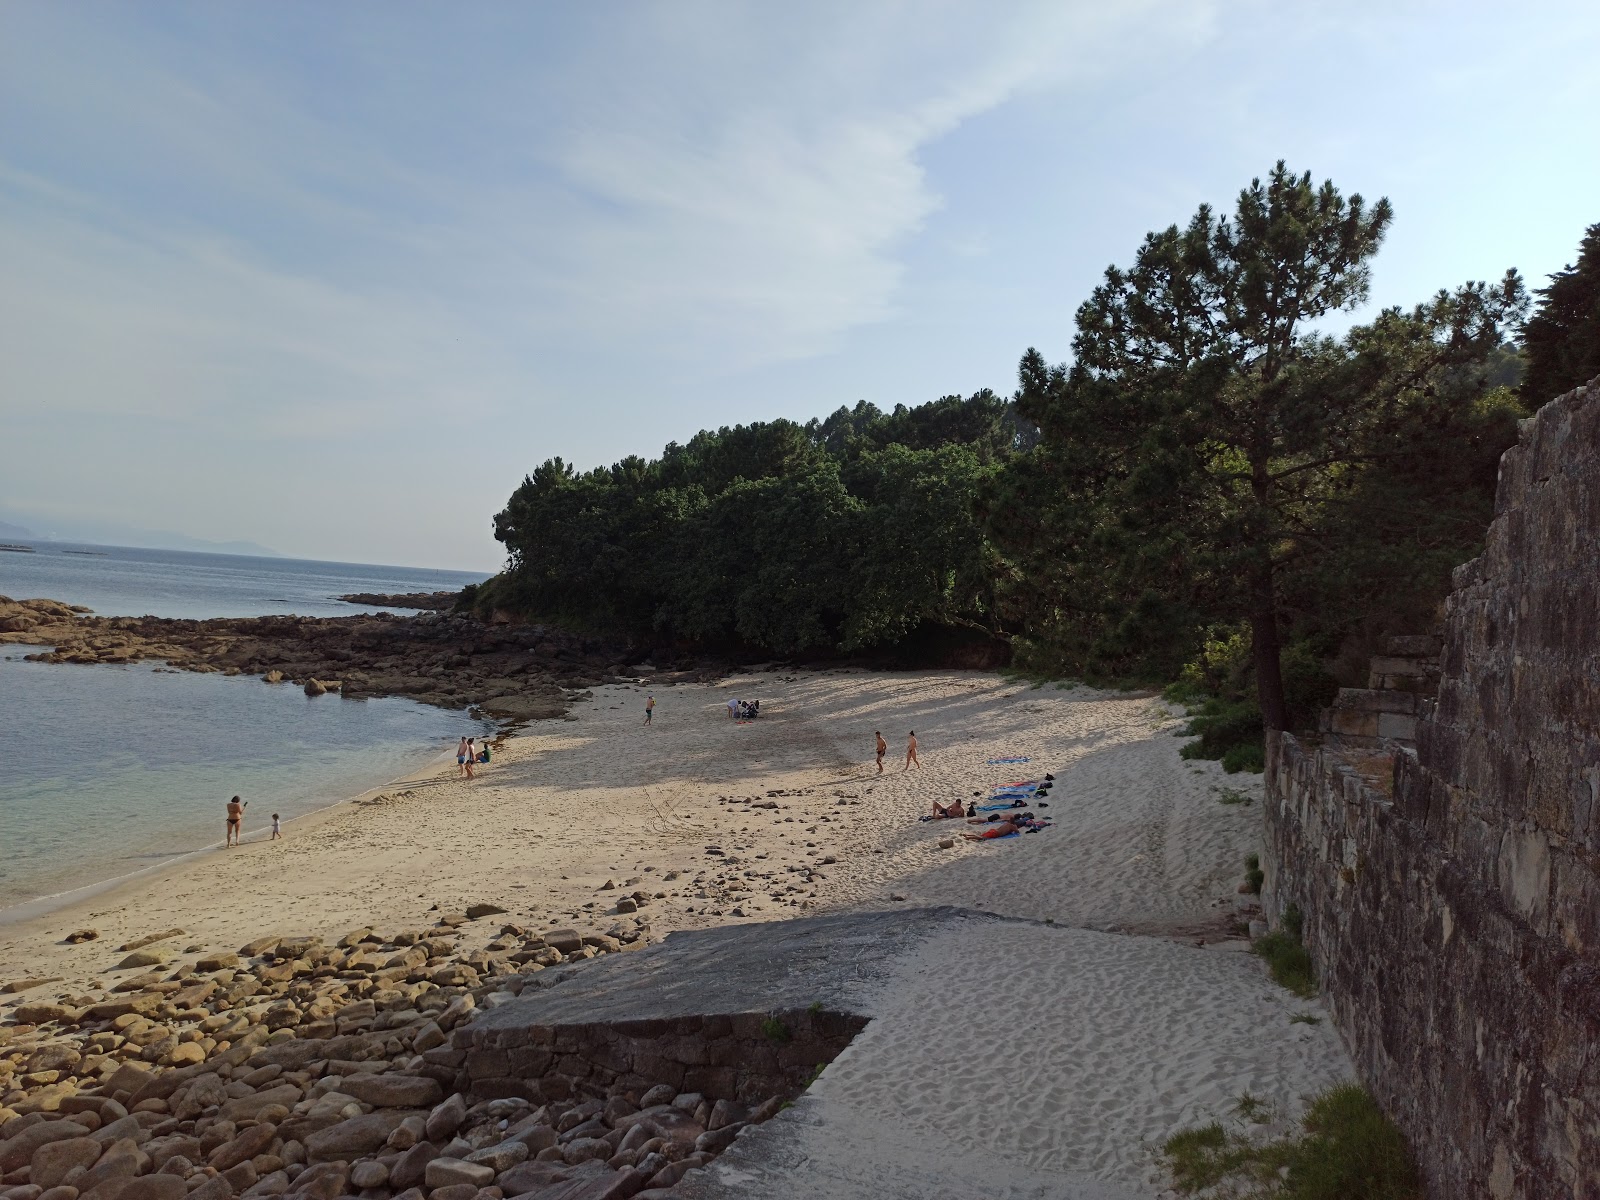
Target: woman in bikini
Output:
[(236, 809)]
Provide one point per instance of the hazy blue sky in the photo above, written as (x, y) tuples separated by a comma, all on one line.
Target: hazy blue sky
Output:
[(334, 277)]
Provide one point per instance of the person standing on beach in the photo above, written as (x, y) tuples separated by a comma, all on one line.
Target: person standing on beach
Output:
[(911, 752), (461, 757), (275, 834), (883, 748), (733, 708), (649, 709), (236, 809), (472, 755)]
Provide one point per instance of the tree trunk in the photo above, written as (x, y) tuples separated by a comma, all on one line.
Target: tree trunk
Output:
[(1264, 643)]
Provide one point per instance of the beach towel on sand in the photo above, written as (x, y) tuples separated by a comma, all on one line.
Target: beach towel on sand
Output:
[(997, 761)]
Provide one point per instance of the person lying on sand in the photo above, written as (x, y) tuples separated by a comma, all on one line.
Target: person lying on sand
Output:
[(953, 809), (999, 829)]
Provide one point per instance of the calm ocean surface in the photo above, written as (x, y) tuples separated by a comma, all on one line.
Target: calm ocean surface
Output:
[(109, 770)]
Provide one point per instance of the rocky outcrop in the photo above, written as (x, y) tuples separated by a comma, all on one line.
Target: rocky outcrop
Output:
[(428, 601), (1450, 896), (454, 661), (303, 1068)]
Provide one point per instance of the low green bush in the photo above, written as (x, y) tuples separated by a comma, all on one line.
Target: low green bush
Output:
[(1346, 1150), (1288, 959)]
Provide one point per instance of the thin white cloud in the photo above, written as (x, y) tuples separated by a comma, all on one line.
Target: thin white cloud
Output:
[(203, 226)]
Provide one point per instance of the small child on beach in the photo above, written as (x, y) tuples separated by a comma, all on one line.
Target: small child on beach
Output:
[(275, 834)]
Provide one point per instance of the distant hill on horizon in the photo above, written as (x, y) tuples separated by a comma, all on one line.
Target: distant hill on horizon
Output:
[(111, 533)]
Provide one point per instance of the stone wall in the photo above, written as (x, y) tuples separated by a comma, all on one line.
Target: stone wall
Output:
[(1450, 896), (748, 1057)]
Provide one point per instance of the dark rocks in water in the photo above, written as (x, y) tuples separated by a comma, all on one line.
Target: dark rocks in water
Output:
[(429, 601), (448, 659)]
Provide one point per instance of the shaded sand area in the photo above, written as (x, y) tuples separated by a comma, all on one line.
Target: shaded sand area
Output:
[(1011, 1058)]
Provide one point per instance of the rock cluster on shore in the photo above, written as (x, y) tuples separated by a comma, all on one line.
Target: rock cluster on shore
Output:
[(451, 660), (301, 1068), (432, 601)]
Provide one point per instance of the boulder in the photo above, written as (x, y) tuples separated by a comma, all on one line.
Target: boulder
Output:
[(149, 956), (568, 941), (428, 1037), (325, 1181), (582, 1149), (152, 1187), (147, 939), (475, 911), (52, 1161), (249, 1143), (715, 1141), (727, 1112), (393, 1091), (352, 1138), (275, 1183), (121, 1162), (43, 1012), (18, 1150), (369, 1173), (410, 1169), (247, 1108), (501, 1157), (448, 1117), (531, 1176), (446, 1172), (218, 1187)]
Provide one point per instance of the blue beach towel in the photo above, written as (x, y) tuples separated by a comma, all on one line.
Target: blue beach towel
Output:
[(997, 761)]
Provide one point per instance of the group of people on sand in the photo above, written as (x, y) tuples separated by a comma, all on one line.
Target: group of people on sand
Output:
[(469, 751), (911, 751), (743, 710)]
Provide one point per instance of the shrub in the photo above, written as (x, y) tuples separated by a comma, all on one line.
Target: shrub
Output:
[(1347, 1150), (1286, 957), (1254, 877), (776, 1030)]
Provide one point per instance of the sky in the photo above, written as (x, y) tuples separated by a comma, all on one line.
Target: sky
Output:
[(333, 278)]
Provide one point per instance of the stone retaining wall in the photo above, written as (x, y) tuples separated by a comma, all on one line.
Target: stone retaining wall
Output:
[(747, 1057), (1451, 897)]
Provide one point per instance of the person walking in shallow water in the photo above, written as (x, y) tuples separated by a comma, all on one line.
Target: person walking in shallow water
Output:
[(883, 748), (236, 809), (911, 752)]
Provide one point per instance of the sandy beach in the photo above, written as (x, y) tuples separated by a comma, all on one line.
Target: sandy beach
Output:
[(1142, 1011)]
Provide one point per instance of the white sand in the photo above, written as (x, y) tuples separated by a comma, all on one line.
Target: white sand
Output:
[(1119, 1040)]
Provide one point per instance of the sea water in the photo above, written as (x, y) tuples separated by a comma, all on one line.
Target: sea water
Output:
[(119, 581), (108, 770)]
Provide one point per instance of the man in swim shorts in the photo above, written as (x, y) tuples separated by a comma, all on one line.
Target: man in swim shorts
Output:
[(236, 809), (649, 709), (883, 748)]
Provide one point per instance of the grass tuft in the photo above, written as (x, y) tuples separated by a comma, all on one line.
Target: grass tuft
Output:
[(1288, 960), (1304, 1019), (1233, 796), (1346, 1150), (776, 1030), (1254, 877)]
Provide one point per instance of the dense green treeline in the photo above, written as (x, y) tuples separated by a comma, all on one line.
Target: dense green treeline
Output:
[(830, 536), (1212, 489)]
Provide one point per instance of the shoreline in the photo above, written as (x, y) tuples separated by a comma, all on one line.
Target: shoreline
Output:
[(601, 827), (50, 902)]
